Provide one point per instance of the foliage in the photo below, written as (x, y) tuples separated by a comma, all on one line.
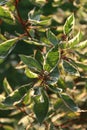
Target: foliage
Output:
[(43, 64)]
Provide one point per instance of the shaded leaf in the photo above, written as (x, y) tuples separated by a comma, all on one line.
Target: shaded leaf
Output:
[(68, 101), (52, 59), (41, 106), (81, 65), (71, 69), (54, 76), (69, 24), (39, 57), (52, 38), (31, 62), (17, 95), (55, 89)]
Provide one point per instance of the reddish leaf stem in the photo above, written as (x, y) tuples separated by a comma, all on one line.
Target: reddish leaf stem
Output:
[(20, 20)]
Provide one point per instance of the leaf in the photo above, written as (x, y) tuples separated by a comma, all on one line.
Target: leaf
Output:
[(2, 38), (17, 95), (6, 47), (7, 87), (35, 43), (30, 74), (54, 76), (2, 2), (71, 69), (68, 101), (31, 62), (81, 65), (6, 15), (69, 24), (55, 89), (41, 106), (73, 42), (82, 45), (61, 82), (52, 59), (33, 16), (44, 22), (39, 57), (52, 38)]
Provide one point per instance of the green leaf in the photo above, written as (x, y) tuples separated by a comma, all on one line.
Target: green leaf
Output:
[(2, 38), (6, 15), (7, 87), (39, 57), (6, 47), (52, 59), (54, 76), (41, 106), (62, 83), (71, 69), (17, 95), (34, 16), (52, 38), (81, 65), (27, 99), (7, 127), (73, 42), (31, 62), (44, 22), (69, 25), (55, 89), (30, 74), (35, 43), (82, 45), (68, 101)]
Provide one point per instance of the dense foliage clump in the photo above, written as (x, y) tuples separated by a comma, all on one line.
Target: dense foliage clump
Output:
[(43, 65)]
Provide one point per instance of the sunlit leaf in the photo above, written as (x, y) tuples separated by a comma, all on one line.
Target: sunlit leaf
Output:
[(82, 44), (69, 25), (6, 15), (24, 121), (30, 74), (73, 42), (43, 22), (34, 43), (52, 59), (6, 47), (7, 86)]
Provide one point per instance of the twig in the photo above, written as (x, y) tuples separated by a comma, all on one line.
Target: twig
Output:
[(20, 20)]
